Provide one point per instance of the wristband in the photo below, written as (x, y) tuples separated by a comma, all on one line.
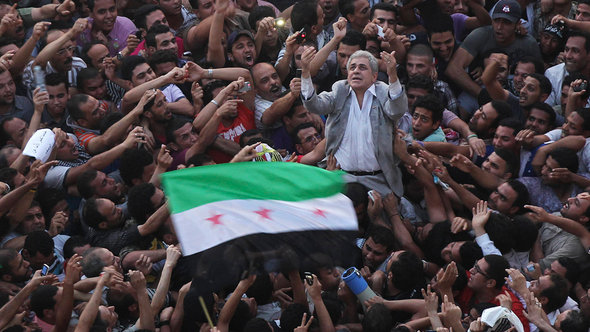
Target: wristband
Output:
[(210, 72), (472, 136), (214, 102)]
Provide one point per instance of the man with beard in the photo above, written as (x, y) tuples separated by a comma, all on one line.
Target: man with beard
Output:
[(577, 56), (536, 88), (524, 66), (13, 268), (106, 26), (501, 34), (12, 105), (57, 56), (96, 184)]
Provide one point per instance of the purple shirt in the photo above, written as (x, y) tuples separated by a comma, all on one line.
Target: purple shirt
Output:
[(117, 37)]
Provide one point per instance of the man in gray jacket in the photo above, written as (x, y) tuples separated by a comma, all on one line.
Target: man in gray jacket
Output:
[(361, 121)]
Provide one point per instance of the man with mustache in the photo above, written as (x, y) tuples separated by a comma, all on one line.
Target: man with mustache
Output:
[(270, 102), (58, 56)]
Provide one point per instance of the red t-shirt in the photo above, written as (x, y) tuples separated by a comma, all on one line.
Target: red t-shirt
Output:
[(244, 121)]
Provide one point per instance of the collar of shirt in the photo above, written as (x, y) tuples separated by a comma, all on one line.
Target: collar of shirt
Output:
[(371, 89)]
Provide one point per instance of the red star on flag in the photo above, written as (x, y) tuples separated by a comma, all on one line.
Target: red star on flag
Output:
[(264, 213), (215, 219), (319, 212)]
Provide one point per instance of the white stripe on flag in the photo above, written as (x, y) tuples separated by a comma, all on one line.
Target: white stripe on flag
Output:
[(211, 224)]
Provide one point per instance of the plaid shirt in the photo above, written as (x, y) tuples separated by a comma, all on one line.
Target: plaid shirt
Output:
[(443, 90)]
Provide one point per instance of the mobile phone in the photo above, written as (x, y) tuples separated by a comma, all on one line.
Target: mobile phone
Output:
[(530, 268), (44, 270), (371, 195), (39, 74), (138, 34), (309, 278), (298, 73), (380, 31), (582, 86), (247, 87), (300, 36)]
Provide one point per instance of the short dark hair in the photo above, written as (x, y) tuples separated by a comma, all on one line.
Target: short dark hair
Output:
[(431, 103), (512, 123), (421, 50), (378, 319), (539, 66), (150, 37), (173, 125), (39, 242), (48, 199), (497, 266), (527, 233), (470, 252), (73, 106), (73, 242), (6, 256), (55, 79), (512, 161), (198, 160), (257, 324), (407, 270), (586, 36), (386, 6), (141, 13), (439, 22), (42, 298), (291, 316), (420, 82), (572, 269), (128, 65), (295, 136), (500, 229), (574, 321), (566, 158), (258, 13), (84, 186), (381, 235), (544, 83), (162, 56), (139, 203), (544, 107), (84, 75), (354, 38), (584, 113), (346, 7), (7, 175), (304, 14), (522, 195), (503, 110), (556, 294), (90, 213), (132, 163)]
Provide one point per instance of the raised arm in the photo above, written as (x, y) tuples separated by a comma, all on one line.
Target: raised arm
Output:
[(66, 303), (23, 54), (52, 48), (146, 316), (215, 51), (495, 89), (232, 303), (154, 221), (322, 55), (568, 225), (91, 309)]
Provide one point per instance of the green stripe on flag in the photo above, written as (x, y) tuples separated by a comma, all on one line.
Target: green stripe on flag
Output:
[(192, 187)]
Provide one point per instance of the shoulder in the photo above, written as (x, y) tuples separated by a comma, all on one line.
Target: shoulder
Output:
[(555, 69), (125, 22)]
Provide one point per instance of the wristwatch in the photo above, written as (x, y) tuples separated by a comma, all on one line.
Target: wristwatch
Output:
[(120, 56)]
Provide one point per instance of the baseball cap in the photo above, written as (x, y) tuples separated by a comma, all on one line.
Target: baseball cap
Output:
[(508, 9), (558, 31), (235, 35)]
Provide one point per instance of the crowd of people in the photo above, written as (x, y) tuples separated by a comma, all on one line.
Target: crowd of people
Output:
[(461, 127)]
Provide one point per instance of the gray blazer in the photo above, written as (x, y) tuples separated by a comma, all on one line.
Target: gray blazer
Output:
[(384, 114)]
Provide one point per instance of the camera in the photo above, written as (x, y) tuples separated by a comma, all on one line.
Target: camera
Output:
[(582, 86), (309, 278), (300, 36), (279, 22)]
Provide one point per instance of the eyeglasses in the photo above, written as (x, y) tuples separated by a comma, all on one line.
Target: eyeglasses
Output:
[(63, 51), (313, 137), (480, 271)]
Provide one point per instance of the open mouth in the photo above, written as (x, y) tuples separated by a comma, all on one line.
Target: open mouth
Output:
[(249, 58), (275, 89)]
